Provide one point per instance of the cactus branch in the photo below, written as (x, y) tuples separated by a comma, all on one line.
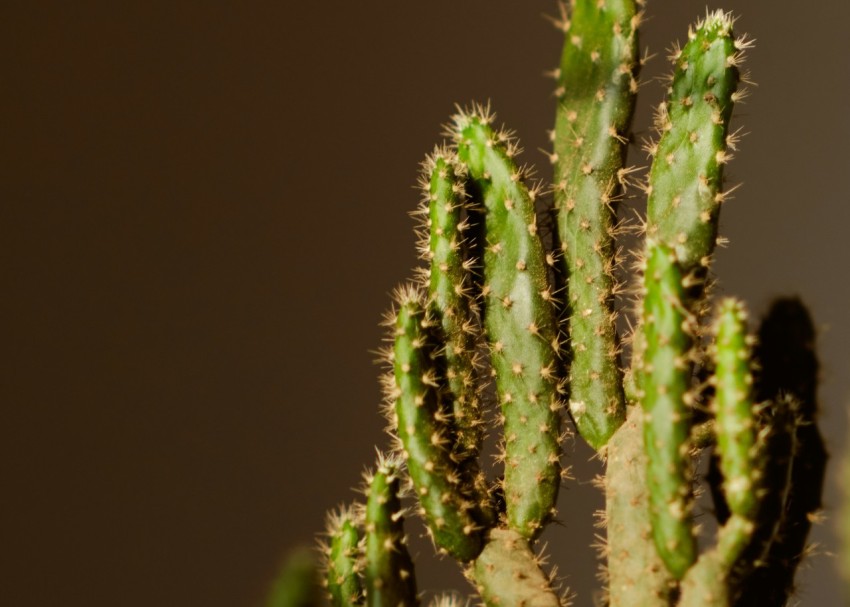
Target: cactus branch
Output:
[(389, 569), (664, 380), (449, 283), (591, 132), (417, 390), (520, 325), (687, 171), (342, 559), (733, 410), (716, 578), (297, 583)]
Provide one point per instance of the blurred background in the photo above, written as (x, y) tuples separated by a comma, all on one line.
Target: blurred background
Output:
[(204, 206)]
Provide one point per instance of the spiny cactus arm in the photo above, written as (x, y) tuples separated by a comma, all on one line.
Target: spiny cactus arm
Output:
[(735, 423), (416, 390), (664, 380), (718, 574), (507, 573), (297, 584), (636, 574), (596, 94), (520, 324), (343, 559), (449, 280), (757, 577), (388, 568), (686, 175)]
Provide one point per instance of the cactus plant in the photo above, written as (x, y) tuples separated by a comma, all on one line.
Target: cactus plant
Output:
[(527, 298)]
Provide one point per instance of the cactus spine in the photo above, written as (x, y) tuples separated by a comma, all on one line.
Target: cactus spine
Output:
[(490, 304)]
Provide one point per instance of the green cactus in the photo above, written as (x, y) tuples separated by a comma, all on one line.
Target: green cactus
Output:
[(684, 189), (449, 281), (664, 383), (596, 94), (388, 569), (446, 494), (297, 584), (733, 410), (505, 295), (342, 558), (741, 456), (520, 324)]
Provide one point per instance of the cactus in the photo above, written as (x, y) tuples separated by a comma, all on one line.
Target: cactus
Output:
[(520, 324), (684, 189), (596, 95), (342, 562), (664, 384), (297, 583), (447, 496), (505, 295), (388, 568)]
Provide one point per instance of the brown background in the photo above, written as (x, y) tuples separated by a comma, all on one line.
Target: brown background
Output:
[(204, 206)]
